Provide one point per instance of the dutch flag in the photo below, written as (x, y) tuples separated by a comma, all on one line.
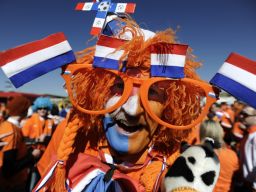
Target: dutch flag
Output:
[(168, 60), (29, 61), (237, 76), (107, 53)]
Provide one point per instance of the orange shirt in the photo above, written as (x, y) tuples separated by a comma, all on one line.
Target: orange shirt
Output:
[(14, 141), (228, 165), (228, 118), (238, 133), (51, 150), (35, 126)]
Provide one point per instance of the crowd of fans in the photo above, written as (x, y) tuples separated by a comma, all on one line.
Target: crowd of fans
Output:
[(233, 129), (26, 129)]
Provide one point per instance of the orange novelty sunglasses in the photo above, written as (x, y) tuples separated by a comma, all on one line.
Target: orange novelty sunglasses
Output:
[(199, 94)]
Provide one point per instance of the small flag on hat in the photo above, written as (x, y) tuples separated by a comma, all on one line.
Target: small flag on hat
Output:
[(106, 55), (29, 61), (168, 60), (237, 76), (103, 8)]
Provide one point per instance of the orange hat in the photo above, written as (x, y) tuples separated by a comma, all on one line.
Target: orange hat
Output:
[(18, 106)]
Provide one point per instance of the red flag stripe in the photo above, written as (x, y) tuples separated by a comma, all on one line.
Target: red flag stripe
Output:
[(20, 51), (110, 41), (130, 8), (242, 62), (95, 30), (167, 48), (79, 6)]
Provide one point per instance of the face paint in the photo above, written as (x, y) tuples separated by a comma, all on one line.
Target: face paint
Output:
[(117, 140), (129, 129)]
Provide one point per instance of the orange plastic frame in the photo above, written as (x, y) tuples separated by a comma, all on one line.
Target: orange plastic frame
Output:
[(145, 84)]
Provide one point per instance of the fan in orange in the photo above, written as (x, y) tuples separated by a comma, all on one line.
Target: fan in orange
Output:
[(135, 97)]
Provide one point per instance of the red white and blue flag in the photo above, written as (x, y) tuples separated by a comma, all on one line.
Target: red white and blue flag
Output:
[(29, 61), (237, 76), (107, 54), (168, 60), (103, 8)]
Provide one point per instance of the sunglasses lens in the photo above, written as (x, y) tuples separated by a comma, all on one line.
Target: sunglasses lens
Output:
[(96, 89), (42, 108), (176, 102)]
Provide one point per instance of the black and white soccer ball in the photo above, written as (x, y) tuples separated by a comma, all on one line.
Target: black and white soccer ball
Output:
[(103, 6), (196, 169)]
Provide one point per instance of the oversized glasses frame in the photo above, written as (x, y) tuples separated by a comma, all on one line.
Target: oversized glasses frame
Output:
[(211, 94)]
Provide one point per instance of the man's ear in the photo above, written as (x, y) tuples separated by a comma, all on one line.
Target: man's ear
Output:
[(183, 146)]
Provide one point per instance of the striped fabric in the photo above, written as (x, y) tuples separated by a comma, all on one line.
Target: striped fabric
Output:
[(103, 8), (29, 61), (122, 7), (106, 55), (168, 60), (237, 76)]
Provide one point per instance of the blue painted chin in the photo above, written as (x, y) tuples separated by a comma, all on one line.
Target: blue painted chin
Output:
[(117, 141)]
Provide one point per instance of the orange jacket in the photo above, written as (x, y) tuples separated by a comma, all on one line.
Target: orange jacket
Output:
[(34, 127), (14, 141), (229, 164), (237, 132), (51, 150), (228, 118)]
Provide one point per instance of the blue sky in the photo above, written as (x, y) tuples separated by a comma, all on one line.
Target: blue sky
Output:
[(213, 28)]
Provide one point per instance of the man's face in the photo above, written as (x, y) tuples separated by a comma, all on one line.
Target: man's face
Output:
[(42, 111), (248, 117), (129, 129)]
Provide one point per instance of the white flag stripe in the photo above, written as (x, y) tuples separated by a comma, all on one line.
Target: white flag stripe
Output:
[(32, 59), (87, 6), (98, 22), (120, 7), (239, 75), (173, 60), (107, 52), (46, 178), (86, 180)]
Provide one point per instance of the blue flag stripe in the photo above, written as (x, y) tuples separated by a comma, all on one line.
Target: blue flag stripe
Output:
[(101, 14), (112, 7), (42, 68), (167, 71), (234, 88), (106, 63), (95, 6)]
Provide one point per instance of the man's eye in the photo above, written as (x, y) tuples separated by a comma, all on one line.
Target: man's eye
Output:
[(117, 88), (156, 94)]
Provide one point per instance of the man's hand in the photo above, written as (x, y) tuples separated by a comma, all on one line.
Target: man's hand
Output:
[(36, 153), (41, 139)]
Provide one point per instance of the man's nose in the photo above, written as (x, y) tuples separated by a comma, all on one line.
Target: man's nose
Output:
[(133, 106)]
